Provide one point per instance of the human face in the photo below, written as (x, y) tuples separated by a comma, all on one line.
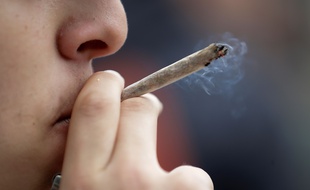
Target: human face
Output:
[(46, 52)]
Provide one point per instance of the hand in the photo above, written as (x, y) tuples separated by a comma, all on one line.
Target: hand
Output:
[(111, 145)]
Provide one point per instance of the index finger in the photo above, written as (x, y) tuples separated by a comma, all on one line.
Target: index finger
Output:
[(93, 124)]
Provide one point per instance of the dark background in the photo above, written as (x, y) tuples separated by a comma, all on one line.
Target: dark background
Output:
[(255, 133)]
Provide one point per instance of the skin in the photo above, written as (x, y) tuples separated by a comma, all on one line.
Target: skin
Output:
[(46, 77)]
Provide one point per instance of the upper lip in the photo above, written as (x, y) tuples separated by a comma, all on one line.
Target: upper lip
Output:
[(66, 100)]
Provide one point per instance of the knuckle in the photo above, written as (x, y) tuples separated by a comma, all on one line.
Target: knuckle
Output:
[(188, 177), (94, 103)]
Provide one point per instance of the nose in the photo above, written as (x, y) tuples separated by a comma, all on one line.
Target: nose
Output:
[(92, 31)]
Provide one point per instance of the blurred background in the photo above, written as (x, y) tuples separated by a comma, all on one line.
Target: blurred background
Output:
[(254, 134)]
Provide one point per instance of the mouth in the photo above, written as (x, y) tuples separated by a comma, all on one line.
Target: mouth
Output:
[(63, 122)]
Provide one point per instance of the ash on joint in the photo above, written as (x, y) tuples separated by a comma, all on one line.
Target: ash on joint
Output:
[(221, 50)]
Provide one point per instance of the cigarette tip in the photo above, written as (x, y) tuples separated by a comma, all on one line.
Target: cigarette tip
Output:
[(221, 50)]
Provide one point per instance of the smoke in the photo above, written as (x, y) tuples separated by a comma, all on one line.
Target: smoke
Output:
[(222, 75)]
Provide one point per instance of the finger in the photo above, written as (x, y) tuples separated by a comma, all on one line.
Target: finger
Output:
[(189, 177), (94, 123), (136, 138)]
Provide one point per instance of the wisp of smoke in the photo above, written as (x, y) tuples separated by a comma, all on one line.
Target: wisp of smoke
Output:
[(222, 74)]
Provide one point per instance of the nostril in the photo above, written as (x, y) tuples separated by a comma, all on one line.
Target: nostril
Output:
[(92, 45)]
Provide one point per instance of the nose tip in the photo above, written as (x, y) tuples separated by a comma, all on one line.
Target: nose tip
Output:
[(86, 39)]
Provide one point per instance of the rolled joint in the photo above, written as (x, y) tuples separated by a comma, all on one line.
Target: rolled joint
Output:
[(175, 71)]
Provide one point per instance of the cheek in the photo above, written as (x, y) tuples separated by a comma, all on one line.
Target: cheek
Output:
[(28, 100), (26, 140), (27, 49), (23, 113)]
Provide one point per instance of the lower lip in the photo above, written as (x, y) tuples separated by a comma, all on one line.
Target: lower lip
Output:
[(62, 126)]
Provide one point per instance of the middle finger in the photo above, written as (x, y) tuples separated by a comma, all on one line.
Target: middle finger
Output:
[(136, 138)]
